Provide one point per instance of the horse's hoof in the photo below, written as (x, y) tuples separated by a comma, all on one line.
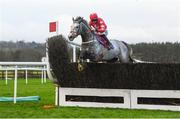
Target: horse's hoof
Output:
[(80, 67)]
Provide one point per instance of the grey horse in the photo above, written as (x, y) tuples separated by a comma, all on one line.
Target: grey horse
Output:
[(93, 50)]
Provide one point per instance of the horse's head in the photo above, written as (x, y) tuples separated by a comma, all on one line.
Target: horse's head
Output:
[(75, 28)]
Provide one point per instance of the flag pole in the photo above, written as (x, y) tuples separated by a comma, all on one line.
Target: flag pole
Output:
[(57, 29)]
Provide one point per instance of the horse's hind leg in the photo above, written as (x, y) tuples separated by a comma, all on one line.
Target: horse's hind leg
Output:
[(124, 59), (125, 56)]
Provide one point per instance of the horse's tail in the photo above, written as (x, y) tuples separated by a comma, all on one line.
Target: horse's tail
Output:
[(130, 55), (133, 60)]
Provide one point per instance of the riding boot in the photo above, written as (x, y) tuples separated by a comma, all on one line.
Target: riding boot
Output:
[(110, 46)]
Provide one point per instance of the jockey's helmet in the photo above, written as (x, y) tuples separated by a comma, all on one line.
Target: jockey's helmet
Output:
[(93, 16)]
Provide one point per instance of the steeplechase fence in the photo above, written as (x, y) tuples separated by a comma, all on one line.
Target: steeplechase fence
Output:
[(115, 85)]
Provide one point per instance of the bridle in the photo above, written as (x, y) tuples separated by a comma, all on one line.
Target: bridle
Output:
[(79, 31)]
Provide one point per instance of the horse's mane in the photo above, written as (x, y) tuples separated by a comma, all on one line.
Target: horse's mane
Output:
[(81, 19)]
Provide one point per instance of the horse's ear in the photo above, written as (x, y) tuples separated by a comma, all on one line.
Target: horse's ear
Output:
[(73, 19)]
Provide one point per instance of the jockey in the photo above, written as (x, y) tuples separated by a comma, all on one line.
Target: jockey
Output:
[(100, 28)]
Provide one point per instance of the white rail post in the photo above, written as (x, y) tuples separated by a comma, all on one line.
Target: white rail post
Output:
[(56, 96), (26, 77), (74, 53), (44, 74), (15, 85), (6, 77)]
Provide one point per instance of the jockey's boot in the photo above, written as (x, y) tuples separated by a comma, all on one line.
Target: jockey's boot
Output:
[(108, 43), (107, 46)]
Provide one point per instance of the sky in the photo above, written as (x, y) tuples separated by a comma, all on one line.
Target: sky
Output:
[(132, 21)]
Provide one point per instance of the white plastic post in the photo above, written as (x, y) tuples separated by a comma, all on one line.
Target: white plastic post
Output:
[(56, 96), (74, 53), (48, 70), (6, 77), (44, 74), (26, 77), (15, 85)]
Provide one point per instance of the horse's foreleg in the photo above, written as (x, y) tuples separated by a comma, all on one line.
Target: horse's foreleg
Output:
[(81, 57), (81, 65)]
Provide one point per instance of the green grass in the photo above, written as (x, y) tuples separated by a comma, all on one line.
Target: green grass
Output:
[(46, 92)]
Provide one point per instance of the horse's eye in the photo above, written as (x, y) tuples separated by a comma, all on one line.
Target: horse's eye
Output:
[(77, 27)]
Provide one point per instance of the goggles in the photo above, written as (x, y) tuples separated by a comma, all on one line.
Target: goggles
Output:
[(94, 20)]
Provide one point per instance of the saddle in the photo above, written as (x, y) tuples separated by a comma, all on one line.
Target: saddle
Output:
[(103, 40)]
